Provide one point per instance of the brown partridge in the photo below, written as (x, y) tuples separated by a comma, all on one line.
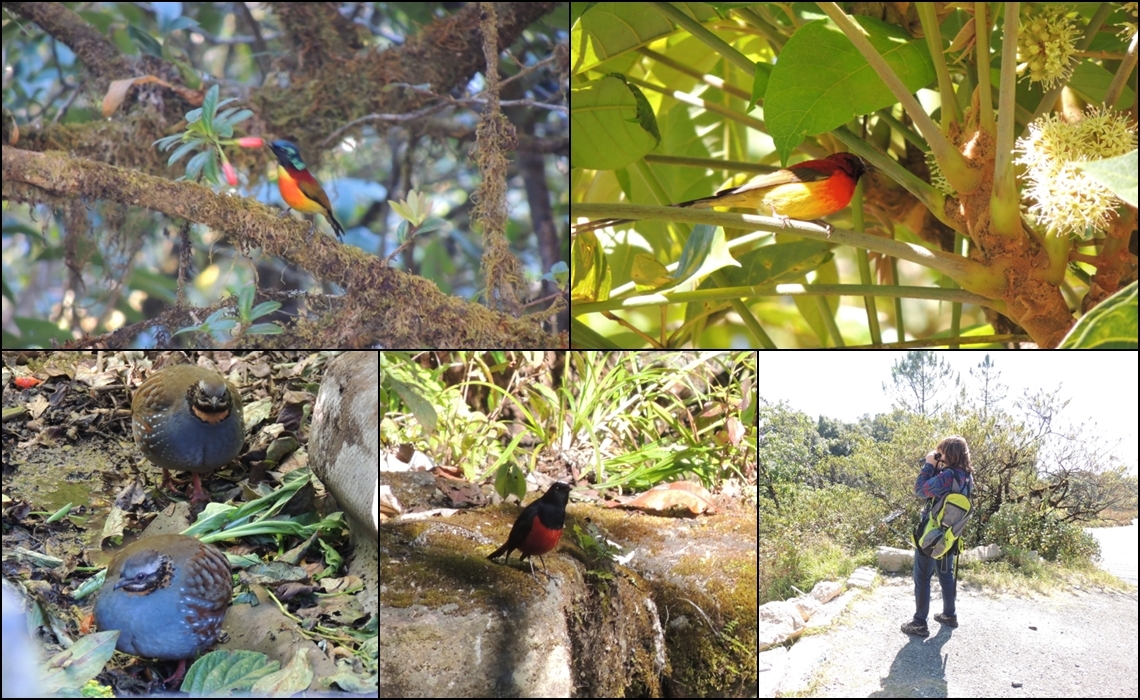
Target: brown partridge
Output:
[(188, 418), (166, 595)]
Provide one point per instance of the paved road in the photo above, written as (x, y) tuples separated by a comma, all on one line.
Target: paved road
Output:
[(1118, 550), (1077, 643), (1070, 644)]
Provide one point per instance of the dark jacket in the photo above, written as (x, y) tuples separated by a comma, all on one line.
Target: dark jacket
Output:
[(932, 483)]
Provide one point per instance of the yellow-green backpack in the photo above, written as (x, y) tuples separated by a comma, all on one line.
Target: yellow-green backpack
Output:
[(939, 532)]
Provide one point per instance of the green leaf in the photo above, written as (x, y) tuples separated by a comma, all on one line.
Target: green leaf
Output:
[(587, 338), (432, 224), (705, 251), (264, 309), (245, 298), (167, 142), (265, 329), (1117, 174), (197, 163), (821, 81), (212, 170), (37, 333), (184, 149), (510, 479), (612, 29), (592, 277), (216, 318), (1111, 325), (210, 108), (237, 117), (144, 41), (611, 125)]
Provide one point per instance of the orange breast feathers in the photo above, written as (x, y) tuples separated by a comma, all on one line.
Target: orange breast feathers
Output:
[(805, 191), (301, 191)]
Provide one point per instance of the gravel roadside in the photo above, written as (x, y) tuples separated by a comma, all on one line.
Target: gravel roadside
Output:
[(1074, 644)]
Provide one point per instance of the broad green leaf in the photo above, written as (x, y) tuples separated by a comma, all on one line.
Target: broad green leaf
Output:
[(821, 81)]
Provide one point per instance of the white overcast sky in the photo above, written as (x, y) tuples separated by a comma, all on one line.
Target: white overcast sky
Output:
[(1101, 387)]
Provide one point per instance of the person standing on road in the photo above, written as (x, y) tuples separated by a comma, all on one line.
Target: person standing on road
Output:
[(945, 470)]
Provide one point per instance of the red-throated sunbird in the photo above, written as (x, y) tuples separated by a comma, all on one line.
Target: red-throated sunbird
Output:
[(804, 191), (299, 188)]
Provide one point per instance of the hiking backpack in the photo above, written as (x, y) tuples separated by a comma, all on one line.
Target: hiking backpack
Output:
[(939, 532)]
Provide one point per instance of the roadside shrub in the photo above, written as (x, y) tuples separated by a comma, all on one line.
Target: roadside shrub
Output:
[(841, 514), (781, 567), (1021, 525), (1020, 558), (797, 560)]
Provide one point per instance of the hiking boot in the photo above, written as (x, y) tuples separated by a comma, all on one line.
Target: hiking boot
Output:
[(946, 620), (916, 628)]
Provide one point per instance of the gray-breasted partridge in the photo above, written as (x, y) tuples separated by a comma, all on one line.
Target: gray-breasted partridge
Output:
[(167, 596), (188, 418)]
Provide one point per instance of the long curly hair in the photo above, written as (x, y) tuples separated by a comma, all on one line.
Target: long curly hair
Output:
[(956, 453)]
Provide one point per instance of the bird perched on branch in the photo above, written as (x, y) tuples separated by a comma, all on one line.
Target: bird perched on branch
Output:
[(804, 191), (299, 188)]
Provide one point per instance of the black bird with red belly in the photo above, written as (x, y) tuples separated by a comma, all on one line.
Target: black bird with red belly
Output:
[(539, 527)]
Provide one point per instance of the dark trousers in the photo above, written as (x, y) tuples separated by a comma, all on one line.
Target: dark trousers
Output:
[(924, 566)]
